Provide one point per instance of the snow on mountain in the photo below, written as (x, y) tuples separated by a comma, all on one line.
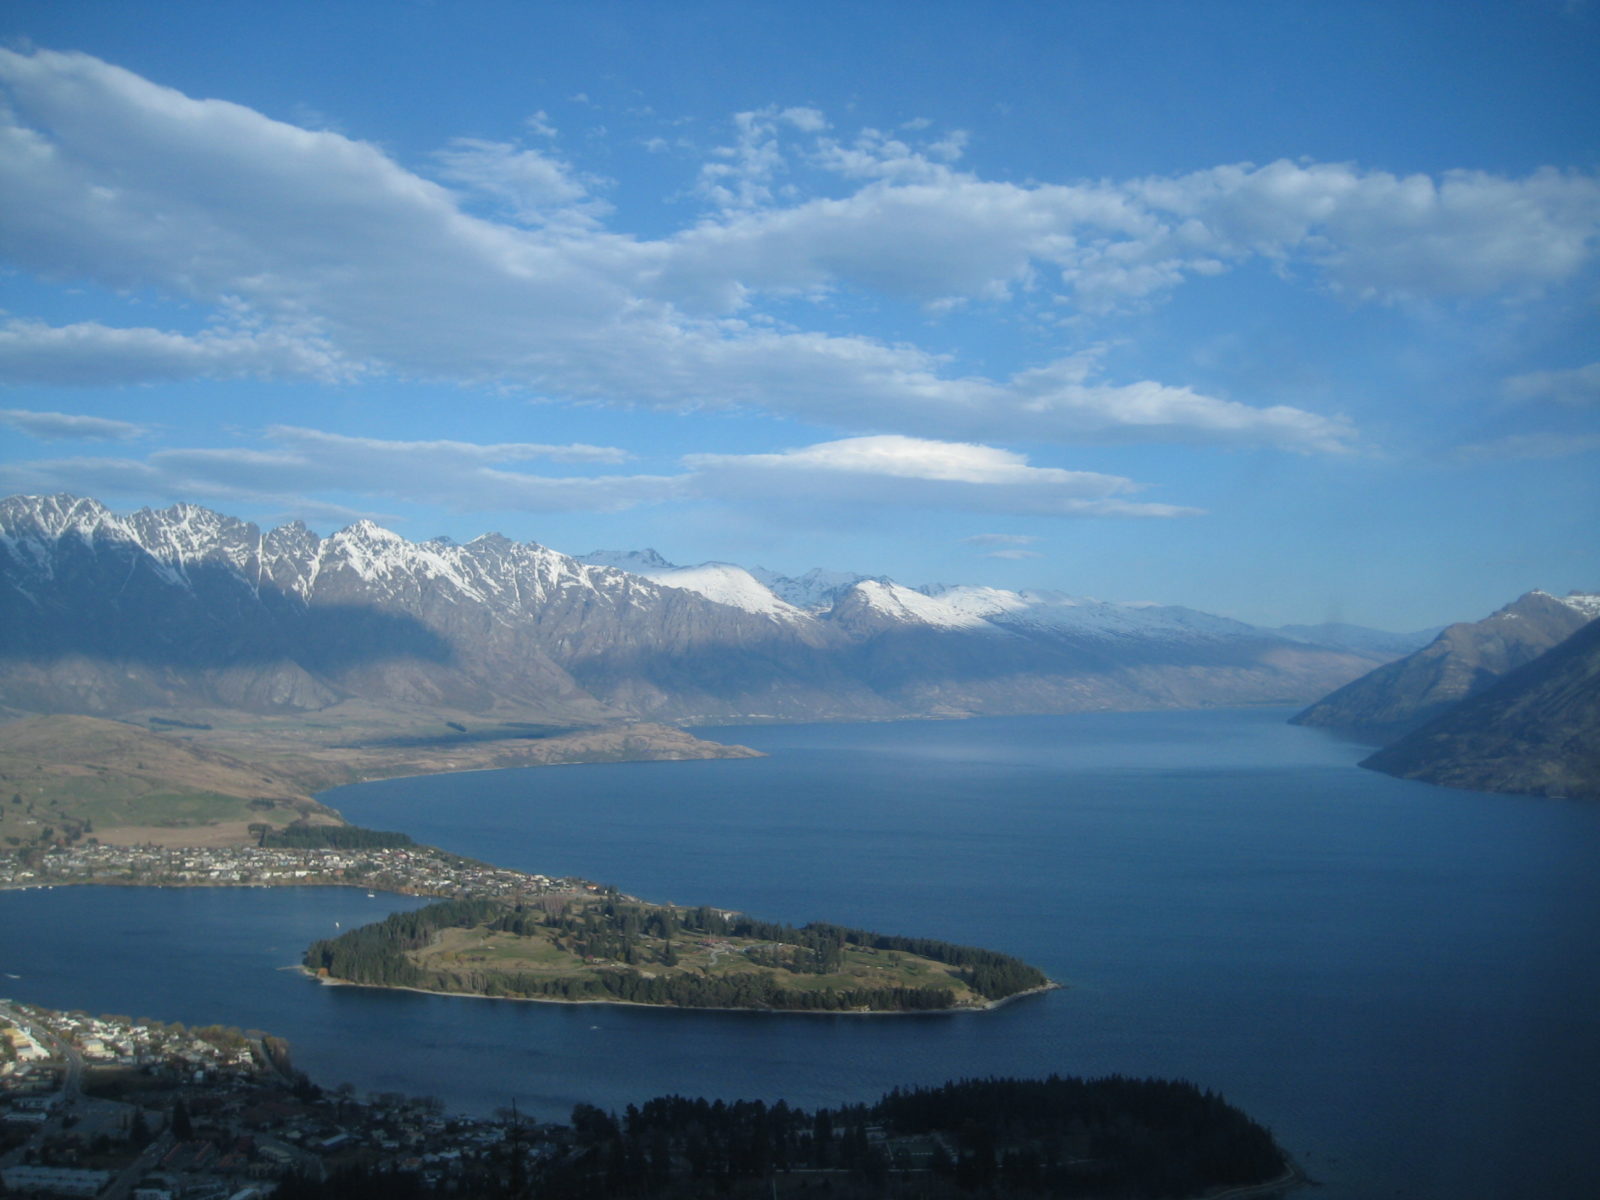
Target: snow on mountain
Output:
[(1057, 613), (722, 583), (914, 607), (816, 591), (1588, 603), (731, 585)]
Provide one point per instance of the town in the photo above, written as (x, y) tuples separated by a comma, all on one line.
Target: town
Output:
[(139, 1109), (412, 870)]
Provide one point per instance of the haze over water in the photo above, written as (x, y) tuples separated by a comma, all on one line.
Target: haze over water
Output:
[(1398, 979)]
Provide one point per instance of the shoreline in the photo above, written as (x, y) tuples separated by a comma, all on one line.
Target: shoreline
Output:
[(1293, 1176), (986, 1006)]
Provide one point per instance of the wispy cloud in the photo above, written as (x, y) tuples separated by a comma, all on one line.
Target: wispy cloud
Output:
[(999, 539), (1575, 386), (290, 468), (1530, 446), (1011, 546), (55, 426), (90, 354)]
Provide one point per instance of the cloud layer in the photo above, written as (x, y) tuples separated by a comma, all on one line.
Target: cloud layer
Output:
[(294, 466), (321, 257)]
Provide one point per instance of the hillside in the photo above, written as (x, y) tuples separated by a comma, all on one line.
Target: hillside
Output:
[(1535, 731), (1463, 660), (65, 778)]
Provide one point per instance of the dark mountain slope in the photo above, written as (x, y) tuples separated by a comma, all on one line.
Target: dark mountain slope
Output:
[(1463, 660), (1535, 731)]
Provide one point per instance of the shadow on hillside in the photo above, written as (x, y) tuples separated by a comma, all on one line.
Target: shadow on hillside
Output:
[(130, 607)]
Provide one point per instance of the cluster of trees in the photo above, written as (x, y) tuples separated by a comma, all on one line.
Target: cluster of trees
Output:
[(376, 953), (1109, 1137), (301, 836), (636, 935)]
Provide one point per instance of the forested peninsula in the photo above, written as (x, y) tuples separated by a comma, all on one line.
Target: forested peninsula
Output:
[(612, 948)]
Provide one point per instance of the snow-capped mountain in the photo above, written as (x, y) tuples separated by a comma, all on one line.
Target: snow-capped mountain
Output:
[(108, 613), (815, 591), (818, 593), (722, 583)]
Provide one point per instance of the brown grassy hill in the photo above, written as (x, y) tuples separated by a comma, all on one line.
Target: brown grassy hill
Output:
[(69, 778), (205, 780)]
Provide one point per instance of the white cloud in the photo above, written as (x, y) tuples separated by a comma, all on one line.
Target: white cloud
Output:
[(55, 426), (1378, 235), (1013, 554), (1577, 386), (321, 257), (532, 188), (903, 471)]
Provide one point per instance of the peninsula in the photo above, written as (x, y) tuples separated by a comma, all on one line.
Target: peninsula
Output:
[(596, 945), (505, 933)]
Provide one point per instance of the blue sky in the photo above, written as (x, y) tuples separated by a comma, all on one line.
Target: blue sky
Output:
[(1281, 310)]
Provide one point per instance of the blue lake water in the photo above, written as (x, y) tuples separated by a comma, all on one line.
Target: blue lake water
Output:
[(1402, 981)]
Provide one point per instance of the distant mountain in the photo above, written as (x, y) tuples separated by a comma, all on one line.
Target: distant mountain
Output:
[(1463, 660), (1537, 730), (1361, 639), (106, 614)]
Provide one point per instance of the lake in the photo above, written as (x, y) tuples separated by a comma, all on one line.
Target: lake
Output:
[(1401, 980)]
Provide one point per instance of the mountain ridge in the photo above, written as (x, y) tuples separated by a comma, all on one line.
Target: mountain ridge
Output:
[(106, 614)]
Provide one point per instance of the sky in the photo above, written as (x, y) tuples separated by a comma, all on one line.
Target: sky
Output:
[(1281, 310)]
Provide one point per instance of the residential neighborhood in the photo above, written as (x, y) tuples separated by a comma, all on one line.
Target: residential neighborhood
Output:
[(413, 870), (129, 1109)]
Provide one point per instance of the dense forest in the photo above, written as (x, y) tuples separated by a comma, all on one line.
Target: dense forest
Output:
[(636, 948), (1113, 1138)]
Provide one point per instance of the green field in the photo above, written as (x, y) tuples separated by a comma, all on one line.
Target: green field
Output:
[(480, 950)]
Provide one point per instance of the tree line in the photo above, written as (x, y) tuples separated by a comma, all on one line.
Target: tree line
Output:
[(1112, 1137)]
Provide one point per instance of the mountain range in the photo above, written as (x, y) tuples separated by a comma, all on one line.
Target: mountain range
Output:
[(189, 609)]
